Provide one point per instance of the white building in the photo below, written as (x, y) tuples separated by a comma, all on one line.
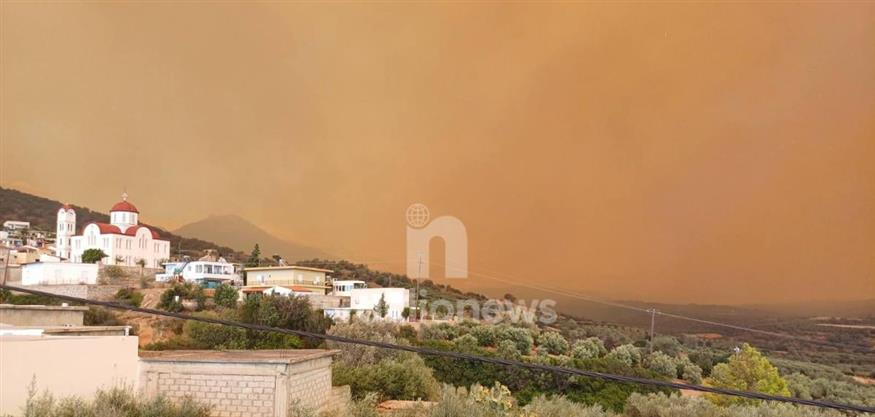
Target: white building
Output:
[(207, 273), (58, 273), (15, 225), (363, 303), (123, 240), (343, 287)]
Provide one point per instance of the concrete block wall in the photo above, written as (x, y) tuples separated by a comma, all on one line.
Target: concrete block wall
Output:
[(241, 389), (309, 384), (229, 395)]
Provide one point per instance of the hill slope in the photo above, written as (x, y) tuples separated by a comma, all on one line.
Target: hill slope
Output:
[(41, 212), (236, 232)]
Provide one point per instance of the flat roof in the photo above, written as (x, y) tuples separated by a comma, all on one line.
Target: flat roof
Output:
[(285, 356), (273, 268), (42, 307)]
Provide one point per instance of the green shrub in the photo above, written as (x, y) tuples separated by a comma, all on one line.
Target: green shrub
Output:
[(507, 350), (129, 296), (690, 372), (96, 316), (485, 335), (112, 402), (522, 338), (186, 291), (354, 355), (589, 348), (661, 405), (668, 345), (226, 296), (440, 331), (662, 364), (466, 343), (404, 379), (747, 370), (627, 354), (561, 407), (840, 391), (553, 342), (114, 272)]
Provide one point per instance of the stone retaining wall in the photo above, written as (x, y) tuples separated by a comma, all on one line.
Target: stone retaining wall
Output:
[(91, 292)]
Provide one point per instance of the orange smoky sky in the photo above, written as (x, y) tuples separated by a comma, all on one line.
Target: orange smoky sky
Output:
[(711, 153)]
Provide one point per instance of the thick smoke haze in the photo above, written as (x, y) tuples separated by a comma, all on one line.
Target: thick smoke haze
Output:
[(684, 153)]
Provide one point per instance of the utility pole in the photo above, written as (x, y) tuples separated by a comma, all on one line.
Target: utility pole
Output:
[(416, 293), (6, 266), (652, 324)]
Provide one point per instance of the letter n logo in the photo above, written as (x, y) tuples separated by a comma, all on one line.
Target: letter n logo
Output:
[(420, 232)]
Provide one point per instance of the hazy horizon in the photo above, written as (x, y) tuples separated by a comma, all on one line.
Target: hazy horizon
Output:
[(710, 154)]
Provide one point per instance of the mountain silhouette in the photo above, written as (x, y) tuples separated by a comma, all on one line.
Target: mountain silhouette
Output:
[(240, 234)]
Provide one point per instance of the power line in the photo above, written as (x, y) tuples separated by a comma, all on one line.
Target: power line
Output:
[(572, 294), (459, 355)]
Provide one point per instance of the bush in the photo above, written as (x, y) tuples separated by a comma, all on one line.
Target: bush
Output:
[(660, 405), (186, 291), (114, 272), (668, 345), (689, 371), (747, 370), (561, 407), (626, 354), (404, 379), (662, 364), (466, 343), (485, 335), (807, 388), (92, 256), (355, 355), (96, 316), (115, 402), (507, 350), (522, 338), (440, 331), (365, 407), (589, 348), (129, 296), (553, 342), (226, 296), (495, 402)]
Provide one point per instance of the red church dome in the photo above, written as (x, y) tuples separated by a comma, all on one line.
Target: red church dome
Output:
[(124, 206)]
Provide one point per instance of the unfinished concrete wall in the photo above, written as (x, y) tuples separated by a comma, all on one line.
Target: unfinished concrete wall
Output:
[(39, 315)]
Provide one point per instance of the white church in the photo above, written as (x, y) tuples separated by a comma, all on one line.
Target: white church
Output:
[(123, 240)]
